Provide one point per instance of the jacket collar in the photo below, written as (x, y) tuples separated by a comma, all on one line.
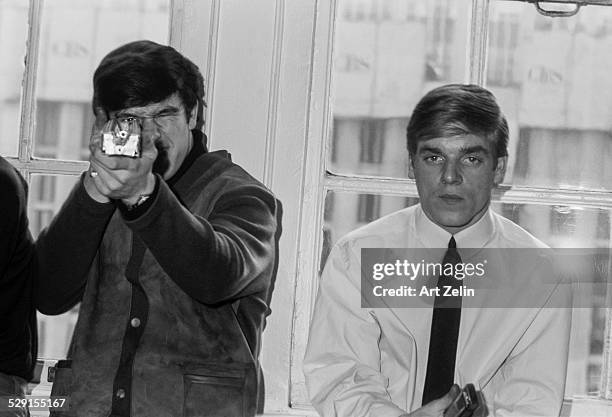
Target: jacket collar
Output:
[(198, 165), (198, 149)]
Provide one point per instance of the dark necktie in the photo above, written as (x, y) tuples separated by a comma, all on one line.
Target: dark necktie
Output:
[(444, 333)]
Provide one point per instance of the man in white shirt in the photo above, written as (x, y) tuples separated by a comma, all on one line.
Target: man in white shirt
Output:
[(382, 362)]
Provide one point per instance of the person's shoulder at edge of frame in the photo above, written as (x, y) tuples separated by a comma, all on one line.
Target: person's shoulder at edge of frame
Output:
[(388, 231), (10, 178)]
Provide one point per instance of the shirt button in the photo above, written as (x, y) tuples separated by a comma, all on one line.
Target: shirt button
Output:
[(120, 393), (135, 322)]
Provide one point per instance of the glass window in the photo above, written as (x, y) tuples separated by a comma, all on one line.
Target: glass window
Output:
[(50, 133), (371, 141), (68, 57), (13, 36), (46, 195), (551, 79), (386, 55), (555, 100), (368, 208)]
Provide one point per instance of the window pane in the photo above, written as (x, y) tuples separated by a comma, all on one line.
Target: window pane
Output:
[(46, 195), (55, 333), (69, 55), (552, 80), (558, 226), (573, 227), (387, 54), (13, 35)]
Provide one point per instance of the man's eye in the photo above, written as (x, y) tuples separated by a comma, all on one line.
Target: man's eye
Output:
[(433, 159), (472, 160), (163, 118), (166, 114), (127, 119)]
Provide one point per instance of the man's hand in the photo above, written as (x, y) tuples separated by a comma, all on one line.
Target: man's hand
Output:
[(120, 177), (96, 136), (436, 408)]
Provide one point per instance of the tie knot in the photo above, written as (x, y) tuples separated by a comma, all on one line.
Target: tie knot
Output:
[(452, 243)]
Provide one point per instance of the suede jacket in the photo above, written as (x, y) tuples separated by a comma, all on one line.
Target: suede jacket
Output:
[(173, 302), (18, 338)]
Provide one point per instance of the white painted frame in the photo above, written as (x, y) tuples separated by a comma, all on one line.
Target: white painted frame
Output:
[(25, 161)]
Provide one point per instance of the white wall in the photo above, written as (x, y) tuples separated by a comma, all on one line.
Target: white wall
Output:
[(257, 58)]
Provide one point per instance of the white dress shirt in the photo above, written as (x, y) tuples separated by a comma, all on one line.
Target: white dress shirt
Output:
[(372, 361)]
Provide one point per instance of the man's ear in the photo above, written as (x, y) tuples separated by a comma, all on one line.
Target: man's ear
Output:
[(500, 170), (410, 167), (193, 117)]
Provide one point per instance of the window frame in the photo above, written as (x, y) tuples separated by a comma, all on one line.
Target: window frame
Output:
[(182, 35), (25, 161), (200, 42), (319, 180)]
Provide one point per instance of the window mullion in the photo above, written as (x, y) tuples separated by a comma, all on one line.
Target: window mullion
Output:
[(368, 185), (52, 166), (28, 100), (605, 383), (478, 41), (503, 194), (175, 24)]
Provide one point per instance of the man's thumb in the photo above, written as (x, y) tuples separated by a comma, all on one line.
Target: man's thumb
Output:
[(446, 400), (101, 117)]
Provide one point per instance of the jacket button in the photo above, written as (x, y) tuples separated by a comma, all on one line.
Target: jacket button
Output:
[(120, 393), (135, 322)]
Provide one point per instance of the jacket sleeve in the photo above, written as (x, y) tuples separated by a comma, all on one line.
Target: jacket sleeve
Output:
[(532, 380), (217, 256), (16, 246), (66, 250), (342, 362)]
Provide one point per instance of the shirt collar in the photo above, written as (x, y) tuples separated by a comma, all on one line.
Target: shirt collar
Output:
[(475, 236)]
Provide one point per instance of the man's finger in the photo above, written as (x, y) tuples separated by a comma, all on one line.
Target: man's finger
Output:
[(148, 135), (94, 177), (448, 398), (150, 152), (95, 142), (114, 162), (104, 176), (437, 406), (147, 140)]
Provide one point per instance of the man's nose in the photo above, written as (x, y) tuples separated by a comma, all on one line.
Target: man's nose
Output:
[(451, 173)]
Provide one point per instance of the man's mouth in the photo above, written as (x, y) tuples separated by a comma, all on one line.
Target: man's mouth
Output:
[(451, 198)]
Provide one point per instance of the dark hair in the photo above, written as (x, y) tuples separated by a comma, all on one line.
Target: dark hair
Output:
[(458, 109), (145, 72)]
